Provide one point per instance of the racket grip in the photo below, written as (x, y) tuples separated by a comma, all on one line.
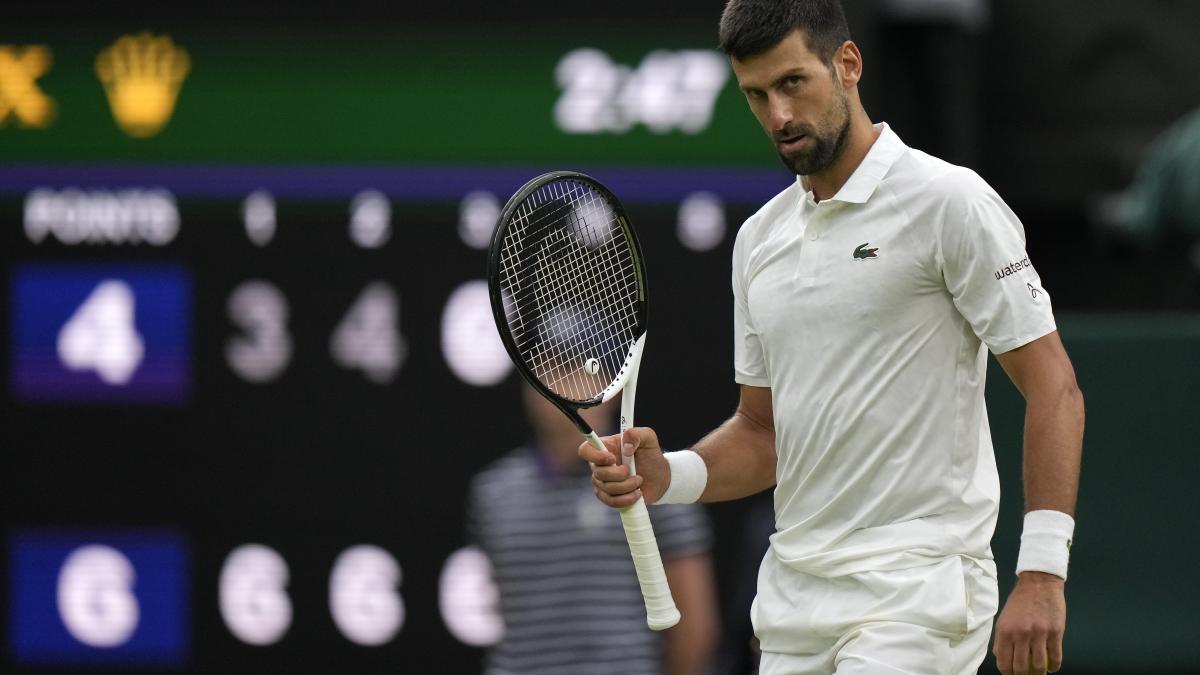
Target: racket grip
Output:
[(661, 612)]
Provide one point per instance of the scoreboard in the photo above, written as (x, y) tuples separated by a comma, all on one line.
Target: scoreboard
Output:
[(249, 363)]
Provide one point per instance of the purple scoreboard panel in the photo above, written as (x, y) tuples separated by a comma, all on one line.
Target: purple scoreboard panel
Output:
[(102, 597), (100, 332)]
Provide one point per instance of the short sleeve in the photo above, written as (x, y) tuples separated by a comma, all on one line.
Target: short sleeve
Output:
[(749, 366), (988, 271), (681, 530)]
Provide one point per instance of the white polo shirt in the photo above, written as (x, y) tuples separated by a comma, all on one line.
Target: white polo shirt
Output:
[(867, 315)]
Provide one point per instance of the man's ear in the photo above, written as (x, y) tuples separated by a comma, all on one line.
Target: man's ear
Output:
[(847, 63)]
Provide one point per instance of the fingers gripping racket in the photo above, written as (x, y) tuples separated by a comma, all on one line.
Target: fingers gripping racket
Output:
[(568, 292)]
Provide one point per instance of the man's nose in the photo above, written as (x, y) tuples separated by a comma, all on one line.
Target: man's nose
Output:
[(779, 112)]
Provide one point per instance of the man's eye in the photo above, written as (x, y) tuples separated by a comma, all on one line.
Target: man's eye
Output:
[(791, 80)]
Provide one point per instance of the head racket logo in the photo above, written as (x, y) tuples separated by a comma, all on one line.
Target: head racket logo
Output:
[(864, 253)]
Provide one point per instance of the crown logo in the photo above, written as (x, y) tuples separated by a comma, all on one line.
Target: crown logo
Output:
[(141, 75)]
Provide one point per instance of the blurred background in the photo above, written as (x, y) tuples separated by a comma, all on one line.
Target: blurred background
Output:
[(249, 364)]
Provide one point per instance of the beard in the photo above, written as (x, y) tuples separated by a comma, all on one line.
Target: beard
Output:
[(829, 141)]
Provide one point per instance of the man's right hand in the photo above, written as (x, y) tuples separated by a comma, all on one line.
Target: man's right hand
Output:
[(610, 475)]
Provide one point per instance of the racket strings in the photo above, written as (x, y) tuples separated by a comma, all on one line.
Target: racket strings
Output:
[(585, 274), (607, 342), (571, 288)]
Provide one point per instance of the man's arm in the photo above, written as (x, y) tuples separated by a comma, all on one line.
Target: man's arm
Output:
[(1030, 629), (739, 456), (688, 646)]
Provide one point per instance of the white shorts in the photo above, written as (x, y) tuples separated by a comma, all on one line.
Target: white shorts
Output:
[(934, 620)]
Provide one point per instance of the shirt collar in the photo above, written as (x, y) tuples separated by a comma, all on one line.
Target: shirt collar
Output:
[(879, 160)]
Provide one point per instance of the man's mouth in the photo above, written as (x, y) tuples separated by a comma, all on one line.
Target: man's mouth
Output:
[(791, 143)]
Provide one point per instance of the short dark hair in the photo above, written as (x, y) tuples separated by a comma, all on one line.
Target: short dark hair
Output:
[(750, 27)]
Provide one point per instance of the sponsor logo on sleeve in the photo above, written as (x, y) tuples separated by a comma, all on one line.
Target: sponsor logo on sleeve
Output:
[(1012, 268)]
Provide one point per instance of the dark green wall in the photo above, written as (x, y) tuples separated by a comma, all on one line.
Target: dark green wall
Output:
[(1133, 584)]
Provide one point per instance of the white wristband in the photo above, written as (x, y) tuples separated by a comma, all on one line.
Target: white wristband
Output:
[(689, 475), (1046, 543)]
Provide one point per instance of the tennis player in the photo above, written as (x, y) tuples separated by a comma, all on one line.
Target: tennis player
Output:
[(865, 297)]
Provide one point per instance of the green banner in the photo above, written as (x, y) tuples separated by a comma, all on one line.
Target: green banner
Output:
[(412, 94)]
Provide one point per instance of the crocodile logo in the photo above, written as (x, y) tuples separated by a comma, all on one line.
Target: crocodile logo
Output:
[(863, 253)]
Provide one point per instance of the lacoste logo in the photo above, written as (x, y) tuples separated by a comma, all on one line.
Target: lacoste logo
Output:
[(863, 253)]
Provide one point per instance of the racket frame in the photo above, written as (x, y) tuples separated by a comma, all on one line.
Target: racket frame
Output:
[(661, 611), (632, 359)]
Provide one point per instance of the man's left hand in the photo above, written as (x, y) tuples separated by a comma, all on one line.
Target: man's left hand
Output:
[(1030, 630)]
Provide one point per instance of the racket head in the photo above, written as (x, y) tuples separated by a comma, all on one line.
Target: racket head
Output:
[(567, 284)]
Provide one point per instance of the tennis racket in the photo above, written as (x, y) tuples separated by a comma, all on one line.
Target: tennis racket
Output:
[(568, 292)]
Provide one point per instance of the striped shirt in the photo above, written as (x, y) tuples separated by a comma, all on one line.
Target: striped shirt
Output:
[(569, 596)]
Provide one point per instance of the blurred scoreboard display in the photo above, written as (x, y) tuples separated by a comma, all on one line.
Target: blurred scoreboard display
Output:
[(248, 356)]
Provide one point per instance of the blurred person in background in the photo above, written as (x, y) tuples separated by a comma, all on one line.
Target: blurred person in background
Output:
[(549, 541), (866, 297), (1154, 222), (1161, 210)]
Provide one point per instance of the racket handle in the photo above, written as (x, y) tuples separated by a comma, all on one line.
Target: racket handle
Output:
[(661, 612)]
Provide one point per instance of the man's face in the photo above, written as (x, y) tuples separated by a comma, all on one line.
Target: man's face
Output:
[(799, 102)]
